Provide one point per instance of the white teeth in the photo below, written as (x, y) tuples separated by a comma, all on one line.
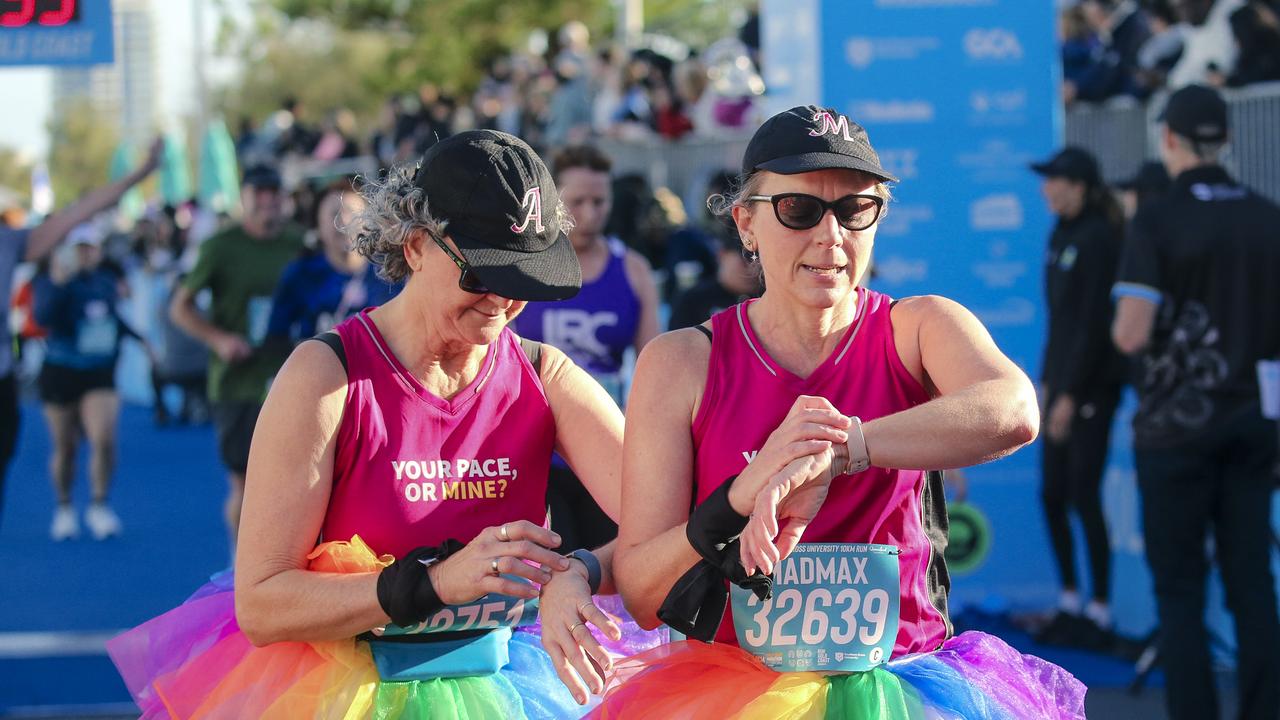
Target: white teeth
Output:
[(824, 270)]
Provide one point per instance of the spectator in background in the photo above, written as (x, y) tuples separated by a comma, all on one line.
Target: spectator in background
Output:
[(241, 267), (692, 248), (76, 301), (736, 280), (1080, 385), (1081, 51), (616, 310), (1196, 302), (1257, 32), (669, 118), (1123, 28), (33, 245), (1209, 47), (178, 360), (337, 140), (1149, 183), (324, 287), (295, 136), (1161, 51)]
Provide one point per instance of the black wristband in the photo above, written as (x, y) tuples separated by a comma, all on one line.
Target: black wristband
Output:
[(405, 591), (695, 605)]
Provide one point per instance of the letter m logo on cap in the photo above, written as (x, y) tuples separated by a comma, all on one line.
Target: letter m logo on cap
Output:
[(827, 123), (532, 205)]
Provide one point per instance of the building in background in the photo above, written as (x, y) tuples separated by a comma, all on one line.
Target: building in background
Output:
[(124, 92)]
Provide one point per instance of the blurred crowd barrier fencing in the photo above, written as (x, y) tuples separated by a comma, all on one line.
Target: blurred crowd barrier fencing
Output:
[(1124, 134)]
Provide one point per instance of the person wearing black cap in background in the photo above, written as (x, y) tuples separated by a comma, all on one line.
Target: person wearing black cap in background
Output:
[(1151, 181), (241, 267), (1197, 302), (1080, 385)]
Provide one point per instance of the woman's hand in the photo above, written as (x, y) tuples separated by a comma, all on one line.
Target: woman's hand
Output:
[(786, 506), (567, 610), (810, 428), (477, 569)]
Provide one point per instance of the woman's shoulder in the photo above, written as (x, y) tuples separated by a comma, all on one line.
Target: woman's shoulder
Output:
[(678, 358)]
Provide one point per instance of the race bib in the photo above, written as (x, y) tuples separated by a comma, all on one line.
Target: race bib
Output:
[(97, 336), (490, 612), (259, 313), (834, 608)]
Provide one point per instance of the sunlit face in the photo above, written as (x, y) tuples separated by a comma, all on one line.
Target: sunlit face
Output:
[(588, 195), (818, 267), (1064, 197), (459, 316)]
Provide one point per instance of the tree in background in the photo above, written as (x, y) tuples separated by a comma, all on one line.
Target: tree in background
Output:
[(15, 174), (81, 144)]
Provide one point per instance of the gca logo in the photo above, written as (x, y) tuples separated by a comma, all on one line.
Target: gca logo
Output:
[(995, 44)]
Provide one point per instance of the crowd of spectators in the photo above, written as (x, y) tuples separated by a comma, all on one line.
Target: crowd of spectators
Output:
[(1135, 48)]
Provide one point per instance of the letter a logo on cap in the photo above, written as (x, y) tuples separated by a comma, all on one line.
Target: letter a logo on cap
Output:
[(533, 204), (838, 125)]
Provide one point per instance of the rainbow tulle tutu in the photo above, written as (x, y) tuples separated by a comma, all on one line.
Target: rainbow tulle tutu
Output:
[(972, 676), (194, 662)]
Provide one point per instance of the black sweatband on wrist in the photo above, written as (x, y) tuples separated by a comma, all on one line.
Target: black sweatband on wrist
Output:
[(695, 605), (405, 591), (594, 573)]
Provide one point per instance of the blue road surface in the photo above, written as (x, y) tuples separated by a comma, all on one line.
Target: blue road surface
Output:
[(60, 601)]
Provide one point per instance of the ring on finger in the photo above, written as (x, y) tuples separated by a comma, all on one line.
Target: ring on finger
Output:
[(493, 566), (502, 534), (585, 604), (575, 626)]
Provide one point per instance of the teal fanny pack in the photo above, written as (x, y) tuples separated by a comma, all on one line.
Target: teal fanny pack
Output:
[(445, 656)]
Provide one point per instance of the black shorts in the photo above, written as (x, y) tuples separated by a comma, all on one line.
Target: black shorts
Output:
[(60, 385), (234, 422)]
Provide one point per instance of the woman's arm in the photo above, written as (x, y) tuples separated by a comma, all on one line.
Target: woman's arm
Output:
[(653, 551), (286, 495), (985, 406), (588, 428)]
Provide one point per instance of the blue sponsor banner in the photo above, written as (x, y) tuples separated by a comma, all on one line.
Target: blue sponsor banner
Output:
[(959, 96), (56, 32)]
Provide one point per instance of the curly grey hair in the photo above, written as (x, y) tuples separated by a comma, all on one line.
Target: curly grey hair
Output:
[(395, 209)]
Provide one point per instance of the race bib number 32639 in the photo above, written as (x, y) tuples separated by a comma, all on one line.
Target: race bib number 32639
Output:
[(834, 608)]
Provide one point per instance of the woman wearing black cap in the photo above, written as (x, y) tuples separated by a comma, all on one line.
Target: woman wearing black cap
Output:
[(416, 448), (1080, 385), (837, 599)]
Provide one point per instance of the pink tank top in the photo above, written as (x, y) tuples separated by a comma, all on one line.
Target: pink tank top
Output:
[(747, 396), (412, 469)]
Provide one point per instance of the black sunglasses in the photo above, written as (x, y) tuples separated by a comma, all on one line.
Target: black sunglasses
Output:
[(468, 280), (799, 211)]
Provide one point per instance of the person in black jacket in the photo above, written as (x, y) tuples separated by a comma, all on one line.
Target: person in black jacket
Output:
[(1196, 305), (1080, 384)]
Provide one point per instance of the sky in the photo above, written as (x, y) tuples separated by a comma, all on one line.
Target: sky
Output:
[(30, 88)]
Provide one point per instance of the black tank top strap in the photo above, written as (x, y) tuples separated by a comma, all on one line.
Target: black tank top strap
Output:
[(704, 330), (334, 341)]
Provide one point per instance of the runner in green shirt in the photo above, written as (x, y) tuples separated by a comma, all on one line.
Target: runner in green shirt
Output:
[(240, 267)]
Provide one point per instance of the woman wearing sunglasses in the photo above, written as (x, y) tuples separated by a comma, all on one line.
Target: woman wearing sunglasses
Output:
[(794, 426), (415, 447)]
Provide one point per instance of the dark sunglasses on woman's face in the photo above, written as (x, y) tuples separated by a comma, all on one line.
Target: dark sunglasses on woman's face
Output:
[(799, 211), (468, 280)]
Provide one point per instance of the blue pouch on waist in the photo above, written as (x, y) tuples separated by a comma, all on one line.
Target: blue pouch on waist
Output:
[(443, 657)]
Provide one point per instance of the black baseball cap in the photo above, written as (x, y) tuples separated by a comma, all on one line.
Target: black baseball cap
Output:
[(261, 176), (1072, 163), (807, 138), (1197, 113), (501, 205)]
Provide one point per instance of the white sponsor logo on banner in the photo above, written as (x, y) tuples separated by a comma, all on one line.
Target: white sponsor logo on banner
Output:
[(901, 162), (997, 107), (1012, 312), (992, 44), (893, 111), (1000, 211), (999, 274), (862, 51), (900, 220), (896, 270)]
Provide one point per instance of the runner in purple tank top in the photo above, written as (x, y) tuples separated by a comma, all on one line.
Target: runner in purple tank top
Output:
[(393, 541), (799, 426)]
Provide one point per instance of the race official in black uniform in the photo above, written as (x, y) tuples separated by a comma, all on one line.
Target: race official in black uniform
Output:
[(1198, 300), (1080, 384)]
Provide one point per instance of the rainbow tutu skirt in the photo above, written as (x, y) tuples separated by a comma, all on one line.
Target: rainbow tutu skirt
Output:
[(973, 675), (194, 662)]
